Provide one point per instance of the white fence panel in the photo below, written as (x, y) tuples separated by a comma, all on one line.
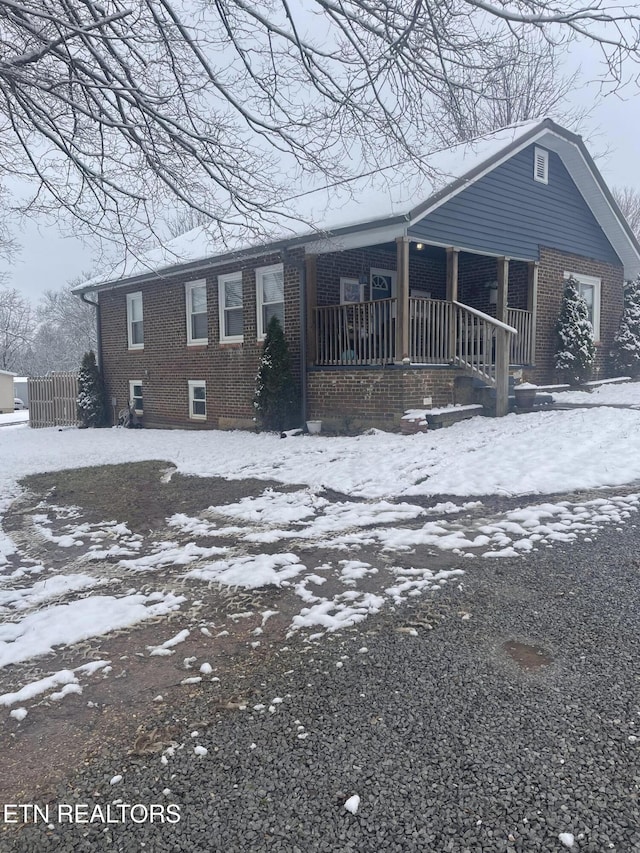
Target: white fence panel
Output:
[(53, 400)]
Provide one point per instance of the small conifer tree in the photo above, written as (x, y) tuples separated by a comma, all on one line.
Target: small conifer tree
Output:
[(576, 350), (92, 397), (626, 343), (276, 399)]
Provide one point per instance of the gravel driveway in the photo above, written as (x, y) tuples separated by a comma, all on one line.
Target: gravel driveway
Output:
[(450, 743)]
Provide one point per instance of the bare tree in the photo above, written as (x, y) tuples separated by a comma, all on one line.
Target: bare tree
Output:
[(64, 328), (628, 200), (16, 328), (115, 109), (185, 220), (524, 84)]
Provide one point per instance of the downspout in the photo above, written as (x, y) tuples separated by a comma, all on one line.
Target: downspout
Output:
[(302, 310), (96, 305)]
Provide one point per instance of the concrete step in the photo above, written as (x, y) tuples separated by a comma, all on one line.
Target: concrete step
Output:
[(420, 419)]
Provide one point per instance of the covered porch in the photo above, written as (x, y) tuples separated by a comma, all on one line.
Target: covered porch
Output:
[(419, 305)]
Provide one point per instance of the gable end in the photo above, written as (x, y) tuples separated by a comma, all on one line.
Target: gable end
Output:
[(511, 211)]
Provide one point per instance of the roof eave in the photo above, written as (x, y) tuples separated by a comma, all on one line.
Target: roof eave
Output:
[(213, 261)]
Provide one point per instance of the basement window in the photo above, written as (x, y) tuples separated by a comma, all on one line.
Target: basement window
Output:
[(135, 395), (197, 400), (541, 165)]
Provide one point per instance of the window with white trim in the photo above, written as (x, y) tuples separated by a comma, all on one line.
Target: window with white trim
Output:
[(270, 296), (230, 307), (197, 400), (541, 165), (196, 296), (135, 329), (589, 287), (135, 395), (351, 290)]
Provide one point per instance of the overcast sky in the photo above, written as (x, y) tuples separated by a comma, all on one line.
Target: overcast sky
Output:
[(48, 260)]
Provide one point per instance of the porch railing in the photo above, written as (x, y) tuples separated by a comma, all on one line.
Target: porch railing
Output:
[(521, 350), (356, 333), (429, 330), (477, 341), (440, 332)]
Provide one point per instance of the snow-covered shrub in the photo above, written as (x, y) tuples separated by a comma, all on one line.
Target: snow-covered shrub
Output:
[(626, 343), (576, 350), (92, 396), (276, 400)]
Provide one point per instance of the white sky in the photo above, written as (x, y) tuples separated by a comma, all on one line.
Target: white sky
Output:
[(49, 260)]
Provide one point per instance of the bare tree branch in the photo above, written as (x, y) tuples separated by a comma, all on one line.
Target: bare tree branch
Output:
[(628, 200), (119, 110), (525, 84), (16, 327)]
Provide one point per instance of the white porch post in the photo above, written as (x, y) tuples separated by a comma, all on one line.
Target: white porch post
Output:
[(502, 340), (402, 296), (452, 296)]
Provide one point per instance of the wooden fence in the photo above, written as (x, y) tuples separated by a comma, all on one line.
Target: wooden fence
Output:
[(53, 400)]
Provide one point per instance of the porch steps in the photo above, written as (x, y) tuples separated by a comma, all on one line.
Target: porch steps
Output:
[(471, 388), (542, 399), (419, 420)]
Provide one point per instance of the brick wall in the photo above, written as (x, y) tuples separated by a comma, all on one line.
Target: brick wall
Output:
[(553, 265), (362, 397), (426, 272), (166, 363)]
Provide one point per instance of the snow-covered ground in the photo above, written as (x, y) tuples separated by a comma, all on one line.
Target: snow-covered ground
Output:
[(614, 394), (544, 452), (14, 417), (382, 542)]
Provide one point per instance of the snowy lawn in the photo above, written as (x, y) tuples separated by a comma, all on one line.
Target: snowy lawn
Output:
[(623, 394), (334, 560), (20, 417), (543, 452)]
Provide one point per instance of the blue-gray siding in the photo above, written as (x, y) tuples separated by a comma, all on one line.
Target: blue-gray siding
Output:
[(507, 212)]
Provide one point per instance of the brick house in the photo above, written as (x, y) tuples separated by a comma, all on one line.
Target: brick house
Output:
[(422, 288)]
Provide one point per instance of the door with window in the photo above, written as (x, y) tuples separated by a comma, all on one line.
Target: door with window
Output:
[(383, 289)]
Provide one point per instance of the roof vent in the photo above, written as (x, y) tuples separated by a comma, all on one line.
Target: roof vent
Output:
[(541, 165)]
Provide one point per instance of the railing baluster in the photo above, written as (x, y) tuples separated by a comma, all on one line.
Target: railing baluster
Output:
[(363, 333)]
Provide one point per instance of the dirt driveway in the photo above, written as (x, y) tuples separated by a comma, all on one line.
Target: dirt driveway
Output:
[(221, 576), (100, 524)]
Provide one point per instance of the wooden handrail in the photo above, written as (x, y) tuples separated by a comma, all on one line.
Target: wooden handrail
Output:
[(481, 345), (487, 318)]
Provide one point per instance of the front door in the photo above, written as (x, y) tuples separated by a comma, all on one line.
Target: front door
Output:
[(383, 284), (383, 287)]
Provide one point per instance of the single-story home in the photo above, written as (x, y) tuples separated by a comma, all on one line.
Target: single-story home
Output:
[(410, 292), (6, 392)]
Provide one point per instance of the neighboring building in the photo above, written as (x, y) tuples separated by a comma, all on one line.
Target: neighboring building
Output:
[(21, 389), (6, 392), (420, 288)]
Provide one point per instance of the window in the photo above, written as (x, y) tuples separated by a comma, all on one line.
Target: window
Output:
[(541, 165), (230, 307), (135, 332), (135, 395), (270, 296), (197, 400), (351, 290), (589, 288), (196, 294)]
